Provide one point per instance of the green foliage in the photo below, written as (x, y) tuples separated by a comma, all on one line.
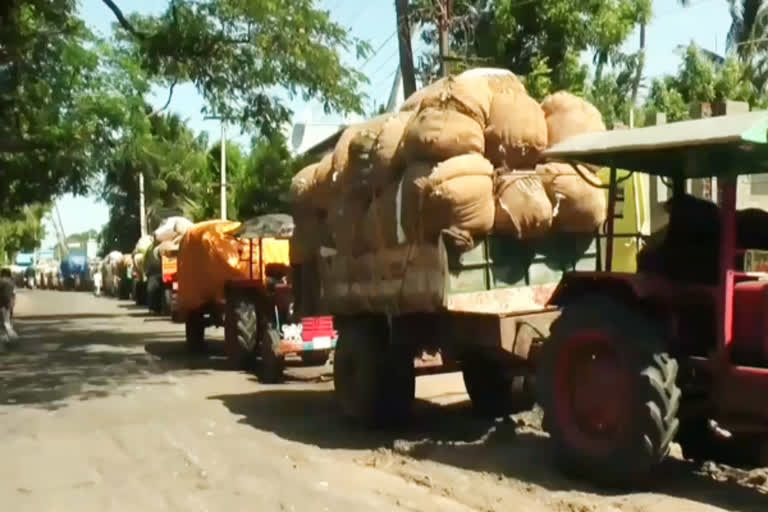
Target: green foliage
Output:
[(236, 51), (541, 39), (22, 232), (699, 80), (270, 168)]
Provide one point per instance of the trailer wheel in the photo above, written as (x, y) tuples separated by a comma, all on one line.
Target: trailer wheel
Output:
[(494, 388), (373, 379), (241, 325), (608, 390), (272, 364), (194, 329)]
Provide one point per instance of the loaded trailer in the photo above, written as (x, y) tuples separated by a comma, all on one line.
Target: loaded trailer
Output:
[(238, 276), (485, 310)]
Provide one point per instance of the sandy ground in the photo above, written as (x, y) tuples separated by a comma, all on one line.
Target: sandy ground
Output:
[(102, 409)]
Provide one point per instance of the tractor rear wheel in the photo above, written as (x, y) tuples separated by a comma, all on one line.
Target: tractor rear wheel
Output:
[(194, 329), (241, 326), (373, 379), (272, 364), (608, 390), (495, 388)]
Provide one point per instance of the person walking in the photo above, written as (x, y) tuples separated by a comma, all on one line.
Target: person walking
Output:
[(7, 301)]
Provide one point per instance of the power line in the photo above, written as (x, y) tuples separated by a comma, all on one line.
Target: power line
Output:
[(386, 61), (376, 52)]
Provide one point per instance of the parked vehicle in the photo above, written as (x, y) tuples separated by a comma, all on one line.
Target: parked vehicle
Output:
[(238, 276), (678, 351)]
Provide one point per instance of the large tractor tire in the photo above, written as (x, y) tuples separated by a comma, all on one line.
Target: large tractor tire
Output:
[(272, 364), (374, 380), (194, 329), (609, 394), (495, 388), (241, 326)]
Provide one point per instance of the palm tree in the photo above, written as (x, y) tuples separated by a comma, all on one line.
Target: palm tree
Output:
[(748, 37), (641, 58)]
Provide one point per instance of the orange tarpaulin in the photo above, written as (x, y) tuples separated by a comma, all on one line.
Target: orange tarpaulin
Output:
[(209, 256)]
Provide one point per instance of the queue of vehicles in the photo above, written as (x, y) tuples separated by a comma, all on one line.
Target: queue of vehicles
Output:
[(622, 363)]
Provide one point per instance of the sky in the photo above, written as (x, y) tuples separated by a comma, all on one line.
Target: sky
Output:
[(705, 22)]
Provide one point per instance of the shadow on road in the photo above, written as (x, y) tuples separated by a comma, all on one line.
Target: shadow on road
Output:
[(70, 358), (78, 316), (452, 436)]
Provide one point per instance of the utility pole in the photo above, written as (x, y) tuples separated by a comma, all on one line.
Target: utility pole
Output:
[(223, 165), (223, 170), (404, 45), (444, 20), (142, 206)]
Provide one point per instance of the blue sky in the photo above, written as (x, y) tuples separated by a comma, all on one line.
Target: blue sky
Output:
[(705, 22)]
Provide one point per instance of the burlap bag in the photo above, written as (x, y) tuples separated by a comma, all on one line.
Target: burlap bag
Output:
[(375, 157), (516, 133), (302, 183), (436, 135), (500, 81), (344, 221), (309, 234), (458, 193), (413, 102), (470, 96), (522, 206), (568, 115), (579, 206)]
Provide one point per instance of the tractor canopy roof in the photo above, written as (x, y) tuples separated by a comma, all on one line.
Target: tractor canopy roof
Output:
[(273, 225), (717, 146)]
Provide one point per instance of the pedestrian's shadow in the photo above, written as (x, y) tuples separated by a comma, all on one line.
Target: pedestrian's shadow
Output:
[(452, 435)]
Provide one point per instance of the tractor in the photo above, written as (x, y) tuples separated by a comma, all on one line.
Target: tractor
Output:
[(679, 350), (251, 264)]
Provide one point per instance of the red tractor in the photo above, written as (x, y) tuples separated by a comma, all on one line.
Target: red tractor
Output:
[(679, 350)]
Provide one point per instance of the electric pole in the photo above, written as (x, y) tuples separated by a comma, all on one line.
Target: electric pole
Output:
[(404, 44), (142, 206), (444, 20), (223, 165)]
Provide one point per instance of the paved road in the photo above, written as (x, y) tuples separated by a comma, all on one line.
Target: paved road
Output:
[(102, 409)]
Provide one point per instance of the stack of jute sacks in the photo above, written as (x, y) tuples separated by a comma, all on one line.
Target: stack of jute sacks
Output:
[(462, 155)]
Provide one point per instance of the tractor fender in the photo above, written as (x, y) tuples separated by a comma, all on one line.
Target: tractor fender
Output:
[(626, 287)]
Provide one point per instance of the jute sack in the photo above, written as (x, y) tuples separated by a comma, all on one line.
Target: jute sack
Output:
[(381, 224), (344, 221), (375, 157), (522, 206), (579, 206), (467, 95), (435, 134), (516, 132), (309, 234), (458, 193), (302, 183), (413, 102), (312, 187), (568, 115), (499, 80)]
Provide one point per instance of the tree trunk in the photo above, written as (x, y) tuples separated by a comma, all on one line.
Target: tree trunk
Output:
[(640, 65), (406, 51)]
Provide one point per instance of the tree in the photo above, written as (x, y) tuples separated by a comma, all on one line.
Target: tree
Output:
[(22, 232), (171, 159), (643, 21), (700, 80), (540, 39), (68, 99), (267, 178), (748, 38), (207, 180)]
